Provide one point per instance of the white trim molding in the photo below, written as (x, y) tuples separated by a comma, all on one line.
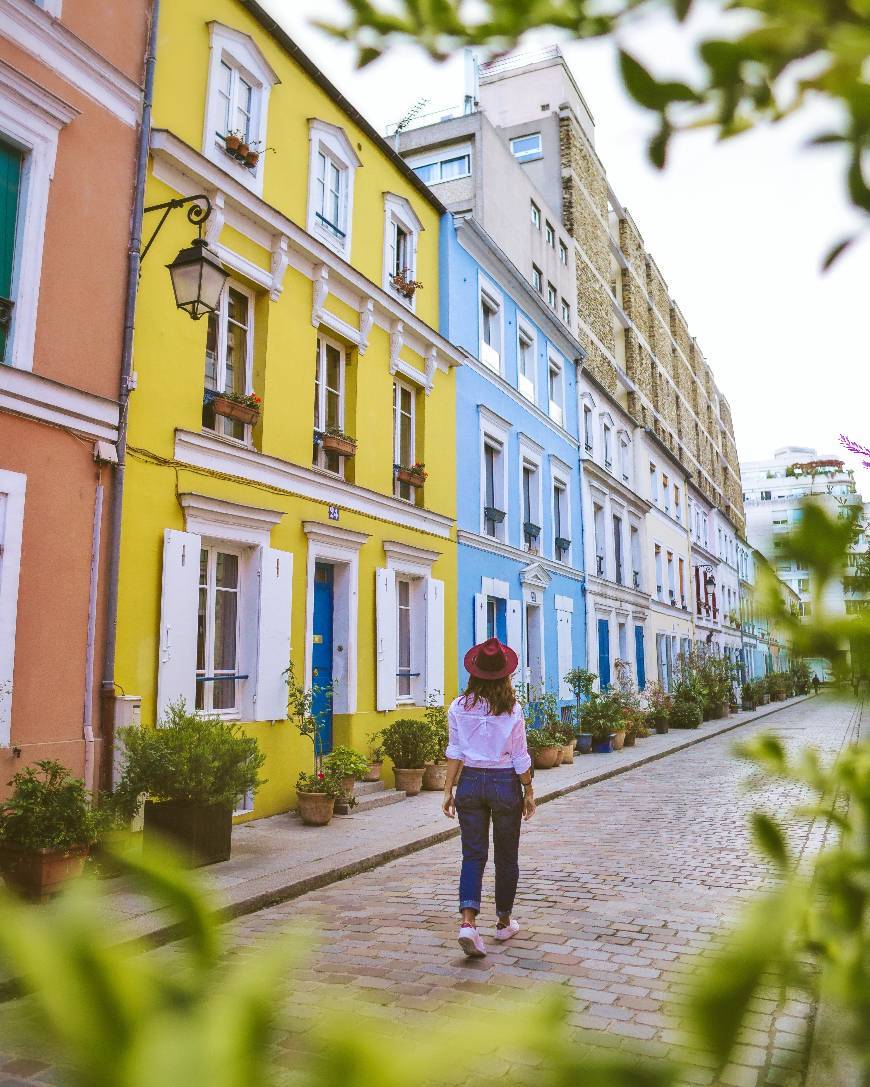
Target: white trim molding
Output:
[(219, 519), (48, 401), (332, 142), (205, 450), (38, 33), (31, 119), (403, 558), (496, 547), (399, 213), (12, 489)]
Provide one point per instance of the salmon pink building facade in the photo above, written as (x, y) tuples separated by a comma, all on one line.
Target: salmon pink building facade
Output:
[(71, 75)]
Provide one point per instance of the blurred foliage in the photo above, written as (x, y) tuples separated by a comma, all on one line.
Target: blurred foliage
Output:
[(767, 59)]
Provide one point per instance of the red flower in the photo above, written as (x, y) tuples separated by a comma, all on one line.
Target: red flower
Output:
[(320, 777)]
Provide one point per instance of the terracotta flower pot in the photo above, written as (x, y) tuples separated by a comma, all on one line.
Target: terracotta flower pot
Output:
[(252, 158), (232, 142), (37, 874), (546, 758), (344, 447), (568, 753), (409, 781), (662, 728), (434, 776), (242, 150), (405, 475), (374, 771), (629, 740), (230, 409), (347, 783), (619, 739), (315, 809)]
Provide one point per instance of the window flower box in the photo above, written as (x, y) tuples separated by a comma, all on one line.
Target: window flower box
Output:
[(336, 441), (531, 530), (404, 284), (247, 154), (415, 476), (562, 543), (493, 514), (244, 409)]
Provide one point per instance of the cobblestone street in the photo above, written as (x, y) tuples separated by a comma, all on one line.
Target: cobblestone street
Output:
[(622, 884)]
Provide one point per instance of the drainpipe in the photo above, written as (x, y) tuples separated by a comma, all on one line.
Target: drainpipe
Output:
[(88, 714), (108, 682)]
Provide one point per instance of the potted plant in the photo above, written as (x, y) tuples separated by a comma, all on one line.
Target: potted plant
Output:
[(601, 717), (376, 759), (408, 743), (602, 737), (316, 795), (545, 747), (233, 140), (685, 712), (584, 742), (659, 703), (47, 828), (415, 476), (244, 408), (334, 440), (435, 774), (192, 769), (348, 766), (581, 682), (404, 284)]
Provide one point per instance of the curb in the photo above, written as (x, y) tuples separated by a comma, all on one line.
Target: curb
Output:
[(10, 989)]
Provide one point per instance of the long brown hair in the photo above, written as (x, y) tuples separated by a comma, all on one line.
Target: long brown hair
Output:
[(498, 694)]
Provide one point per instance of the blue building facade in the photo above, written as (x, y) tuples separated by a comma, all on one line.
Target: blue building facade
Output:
[(519, 509)]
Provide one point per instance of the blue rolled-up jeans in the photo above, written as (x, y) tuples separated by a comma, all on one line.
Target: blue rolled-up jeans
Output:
[(483, 796)]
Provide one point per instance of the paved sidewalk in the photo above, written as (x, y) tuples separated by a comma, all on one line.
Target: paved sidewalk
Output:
[(279, 858)]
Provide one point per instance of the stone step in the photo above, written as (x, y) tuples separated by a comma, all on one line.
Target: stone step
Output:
[(381, 799), (363, 788)]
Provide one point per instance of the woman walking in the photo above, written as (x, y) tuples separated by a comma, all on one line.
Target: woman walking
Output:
[(487, 745)]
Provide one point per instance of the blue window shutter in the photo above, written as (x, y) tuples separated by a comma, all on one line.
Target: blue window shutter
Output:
[(639, 657), (603, 653)]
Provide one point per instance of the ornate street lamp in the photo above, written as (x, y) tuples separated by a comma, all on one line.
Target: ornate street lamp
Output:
[(198, 277)]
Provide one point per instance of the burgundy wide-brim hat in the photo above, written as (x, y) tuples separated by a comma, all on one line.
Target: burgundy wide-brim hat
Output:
[(491, 660)]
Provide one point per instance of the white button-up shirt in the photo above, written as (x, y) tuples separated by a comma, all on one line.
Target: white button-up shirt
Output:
[(485, 741)]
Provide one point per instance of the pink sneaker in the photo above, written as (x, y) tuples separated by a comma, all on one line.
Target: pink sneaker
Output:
[(510, 929), (471, 942)]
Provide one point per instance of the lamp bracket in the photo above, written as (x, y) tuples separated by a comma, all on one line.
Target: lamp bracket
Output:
[(197, 213)]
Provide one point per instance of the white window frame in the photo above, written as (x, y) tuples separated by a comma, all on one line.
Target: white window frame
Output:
[(556, 408), (399, 213), (319, 361), (331, 141), (654, 482), (560, 477), (31, 119), (242, 54), (13, 486), (566, 312), (438, 158), (537, 279), (212, 547), (535, 215), (588, 422), (531, 458), (552, 296), (404, 490), (494, 432), (550, 234), (222, 317), (414, 565), (535, 152), (624, 442), (491, 357), (563, 254), (528, 386)]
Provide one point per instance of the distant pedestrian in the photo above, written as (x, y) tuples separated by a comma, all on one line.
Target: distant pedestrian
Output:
[(487, 746), (816, 683)]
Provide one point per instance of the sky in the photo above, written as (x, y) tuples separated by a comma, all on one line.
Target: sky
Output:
[(738, 229)]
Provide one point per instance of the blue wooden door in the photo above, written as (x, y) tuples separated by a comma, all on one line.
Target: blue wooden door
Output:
[(603, 653), (639, 657), (321, 656)]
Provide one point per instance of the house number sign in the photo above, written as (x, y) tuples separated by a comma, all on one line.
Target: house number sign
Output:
[(334, 513)]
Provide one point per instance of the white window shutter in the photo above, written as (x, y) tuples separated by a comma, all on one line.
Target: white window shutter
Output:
[(479, 618), (564, 651), (273, 633), (515, 636), (435, 640), (386, 648), (179, 607), (391, 245)]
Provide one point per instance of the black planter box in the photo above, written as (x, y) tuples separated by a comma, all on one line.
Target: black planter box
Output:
[(200, 833)]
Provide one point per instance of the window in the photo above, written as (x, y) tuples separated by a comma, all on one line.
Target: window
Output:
[(561, 528), (444, 170), (563, 253), (682, 570), (566, 312), (557, 393), (526, 148), (217, 637), (678, 505), (765, 496), (525, 362), (666, 492), (623, 460), (331, 180), (653, 482), (531, 511), (536, 215), (404, 678), (537, 278), (401, 231), (660, 587), (490, 330), (551, 296), (12, 491), (228, 365), (403, 434), (600, 552), (634, 543), (240, 80), (617, 549), (550, 235), (587, 429), (493, 480), (672, 587), (329, 399), (11, 165), (608, 451), (496, 618)]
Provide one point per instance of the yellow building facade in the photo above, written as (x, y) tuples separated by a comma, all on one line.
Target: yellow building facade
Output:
[(252, 542)]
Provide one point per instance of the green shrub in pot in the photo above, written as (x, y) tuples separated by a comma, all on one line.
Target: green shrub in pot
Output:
[(347, 766), (193, 769), (47, 828), (408, 743)]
